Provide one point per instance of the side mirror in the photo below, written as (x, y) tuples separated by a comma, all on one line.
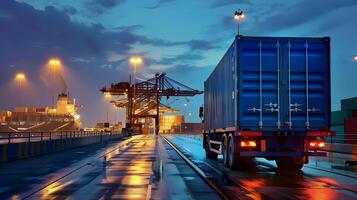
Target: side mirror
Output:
[(201, 112)]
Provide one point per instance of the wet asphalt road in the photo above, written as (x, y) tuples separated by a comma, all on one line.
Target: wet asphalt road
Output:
[(261, 179), (146, 167), (141, 167)]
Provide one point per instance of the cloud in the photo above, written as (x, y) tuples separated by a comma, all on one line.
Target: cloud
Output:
[(69, 10), (301, 13), (30, 36), (221, 3), (98, 7), (184, 72), (129, 28), (200, 45), (159, 3), (181, 58), (194, 45), (113, 56), (51, 32), (106, 66), (189, 56), (274, 17)]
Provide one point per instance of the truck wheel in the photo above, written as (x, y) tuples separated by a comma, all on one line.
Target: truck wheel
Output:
[(232, 155), (209, 153), (290, 163), (224, 150)]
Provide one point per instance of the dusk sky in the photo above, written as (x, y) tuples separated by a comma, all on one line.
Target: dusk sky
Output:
[(184, 38)]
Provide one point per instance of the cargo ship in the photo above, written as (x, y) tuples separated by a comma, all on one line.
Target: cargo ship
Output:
[(61, 117)]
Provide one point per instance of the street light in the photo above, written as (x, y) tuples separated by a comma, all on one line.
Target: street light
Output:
[(238, 15), (54, 63), (107, 95), (355, 58), (20, 77), (135, 61)]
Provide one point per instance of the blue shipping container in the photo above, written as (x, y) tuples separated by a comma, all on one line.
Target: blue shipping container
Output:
[(270, 84)]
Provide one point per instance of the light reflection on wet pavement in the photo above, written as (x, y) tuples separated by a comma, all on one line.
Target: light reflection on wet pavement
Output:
[(261, 180), (144, 168), (123, 174)]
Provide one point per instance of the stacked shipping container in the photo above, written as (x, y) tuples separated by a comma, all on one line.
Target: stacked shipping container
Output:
[(344, 122)]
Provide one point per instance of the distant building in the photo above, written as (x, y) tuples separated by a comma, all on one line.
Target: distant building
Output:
[(344, 122), (168, 122), (4, 116)]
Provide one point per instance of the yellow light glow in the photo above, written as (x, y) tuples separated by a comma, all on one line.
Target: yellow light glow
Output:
[(312, 144), (238, 16), (20, 76), (54, 62), (252, 144), (136, 60), (248, 143), (107, 95), (322, 144)]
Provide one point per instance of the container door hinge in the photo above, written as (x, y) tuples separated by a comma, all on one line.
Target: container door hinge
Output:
[(273, 107), (295, 107), (254, 109), (314, 110)]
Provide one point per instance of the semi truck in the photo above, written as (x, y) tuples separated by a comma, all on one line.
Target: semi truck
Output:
[(269, 97)]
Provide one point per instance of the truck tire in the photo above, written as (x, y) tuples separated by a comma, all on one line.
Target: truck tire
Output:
[(224, 150), (290, 163), (232, 155), (209, 153)]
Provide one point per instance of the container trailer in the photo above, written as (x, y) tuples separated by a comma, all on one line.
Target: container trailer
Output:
[(269, 97)]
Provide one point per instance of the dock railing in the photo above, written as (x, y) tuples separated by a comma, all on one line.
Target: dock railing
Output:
[(18, 137)]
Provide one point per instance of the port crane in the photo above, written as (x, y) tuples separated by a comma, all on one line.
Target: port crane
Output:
[(147, 97)]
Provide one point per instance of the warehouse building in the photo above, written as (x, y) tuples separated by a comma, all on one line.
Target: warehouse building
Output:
[(344, 122)]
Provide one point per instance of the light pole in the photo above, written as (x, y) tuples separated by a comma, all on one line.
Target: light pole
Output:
[(108, 96), (238, 15), (20, 77), (54, 63), (135, 61)]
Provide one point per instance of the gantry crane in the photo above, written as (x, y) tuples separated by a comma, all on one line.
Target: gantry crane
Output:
[(147, 96)]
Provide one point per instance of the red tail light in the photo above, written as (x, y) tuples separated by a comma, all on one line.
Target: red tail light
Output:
[(313, 144), (316, 144), (321, 144), (248, 143)]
